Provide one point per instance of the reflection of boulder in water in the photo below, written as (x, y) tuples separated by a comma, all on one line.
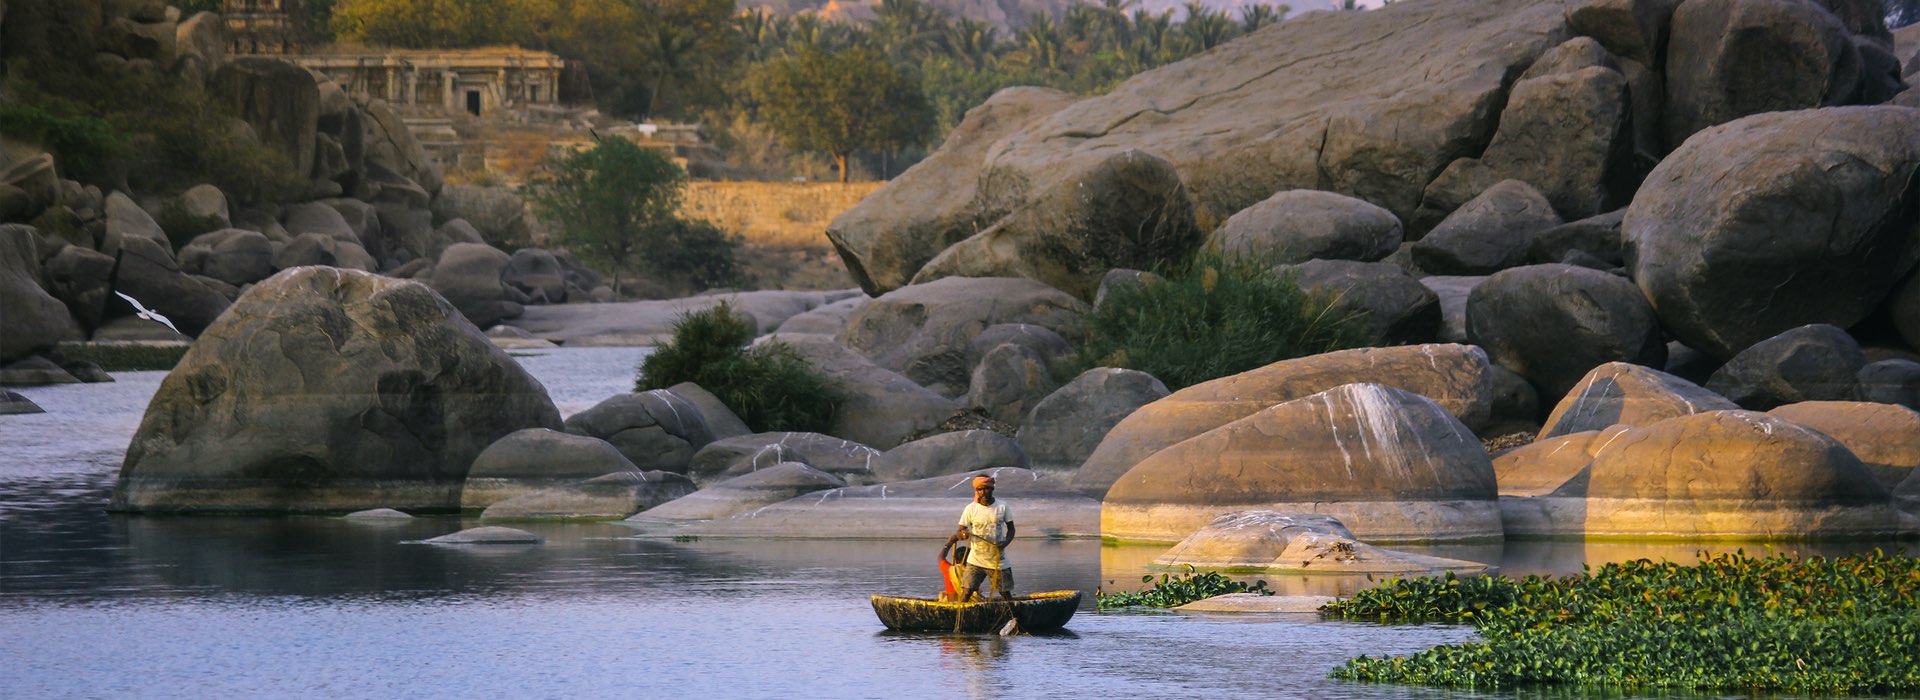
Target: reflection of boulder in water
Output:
[(1303, 542), (926, 508), (325, 389)]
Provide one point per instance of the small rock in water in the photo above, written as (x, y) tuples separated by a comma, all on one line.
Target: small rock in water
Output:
[(488, 535), (378, 514), (12, 403)]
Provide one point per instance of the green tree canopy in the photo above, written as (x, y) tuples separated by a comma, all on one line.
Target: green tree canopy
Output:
[(615, 203), (841, 102)]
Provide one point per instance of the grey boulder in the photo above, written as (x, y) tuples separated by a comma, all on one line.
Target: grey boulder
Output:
[(948, 453), (1300, 225), (654, 429), (1816, 362), (1553, 323)]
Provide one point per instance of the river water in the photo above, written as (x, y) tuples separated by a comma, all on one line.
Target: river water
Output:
[(98, 605)]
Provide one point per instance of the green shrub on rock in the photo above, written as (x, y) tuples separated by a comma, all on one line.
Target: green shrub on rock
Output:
[(768, 385), (1211, 318), (1842, 625)]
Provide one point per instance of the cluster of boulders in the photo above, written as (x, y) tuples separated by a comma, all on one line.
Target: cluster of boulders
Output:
[(1668, 242), (371, 200)]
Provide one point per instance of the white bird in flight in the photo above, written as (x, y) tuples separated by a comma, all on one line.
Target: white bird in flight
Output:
[(146, 313)]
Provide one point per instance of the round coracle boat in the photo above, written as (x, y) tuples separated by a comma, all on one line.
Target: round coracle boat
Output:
[(1037, 613)]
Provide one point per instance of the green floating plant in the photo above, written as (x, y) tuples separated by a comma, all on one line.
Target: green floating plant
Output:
[(1731, 622), (1174, 591)]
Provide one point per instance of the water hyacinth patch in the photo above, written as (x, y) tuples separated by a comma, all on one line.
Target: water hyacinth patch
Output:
[(1732, 622), (1173, 591)]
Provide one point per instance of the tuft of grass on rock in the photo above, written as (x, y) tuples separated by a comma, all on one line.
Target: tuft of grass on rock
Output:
[(1212, 317), (768, 385), (124, 357), (1731, 622)]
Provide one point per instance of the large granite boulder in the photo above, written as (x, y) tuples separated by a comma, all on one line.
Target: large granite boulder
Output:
[(1066, 426), (1810, 232), (148, 272), (1456, 376), (320, 249), (1008, 382), (279, 99), (1731, 58), (878, 406), (764, 487), (1301, 225), (721, 420), (1052, 348), (1554, 323), (654, 429), (949, 453), (1815, 362), (83, 280), (205, 202), (1125, 209), (497, 212), (610, 497), (1565, 131), (31, 320), (537, 458), (234, 256), (125, 219), (1273, 542), (1892, 381), (391, 145), (324, 389), (1718, 475), (891, 234), (1624, 393), (1397, 308), (925, 509), (1490, 233), (1595, 238), (469, 276), (924, 331), (1885, 438), (826, 319), (1546, 466), (1393, 464), (732, 457), (317, 217), (1371, 105), (537, 273)]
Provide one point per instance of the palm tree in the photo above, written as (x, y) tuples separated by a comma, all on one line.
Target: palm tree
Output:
[(906, 30), (1042, 45), (1204, 28), (670, 50), (969, 41), (1253, 17)]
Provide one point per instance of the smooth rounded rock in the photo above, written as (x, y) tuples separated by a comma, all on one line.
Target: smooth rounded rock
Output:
[(1546, 466), (1455, 376), (1008, 382), (655, 429), (1066, 426), (721, 420), (13, 404), (1811, 231), (1554, 323), (378, 514), (1886, 438), (1893, 381), (1301, 225), (1276, 542), (1811, 363), (948, 453), (879, 407), (1394, 464), (1490, 233), (1398, 309), (327, 390), (1624, 393), (923, 331), (537, 458)]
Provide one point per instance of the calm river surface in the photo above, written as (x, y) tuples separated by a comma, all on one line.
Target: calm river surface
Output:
[(93, 605)]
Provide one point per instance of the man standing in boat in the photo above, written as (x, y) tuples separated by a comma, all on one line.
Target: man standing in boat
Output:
[(988, 526)]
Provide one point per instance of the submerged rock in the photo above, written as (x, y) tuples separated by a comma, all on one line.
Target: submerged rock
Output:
[(488, 534), (1271, 541), (378, 514), (13, 404)]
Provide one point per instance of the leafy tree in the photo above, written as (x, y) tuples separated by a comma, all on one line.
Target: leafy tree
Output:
[(841, 102), (423, 23), (615, 203)]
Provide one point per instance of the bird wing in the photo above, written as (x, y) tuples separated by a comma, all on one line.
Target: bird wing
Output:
[(131, 300)]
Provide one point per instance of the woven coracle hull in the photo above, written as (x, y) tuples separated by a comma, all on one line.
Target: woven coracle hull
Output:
[(1038, 612)]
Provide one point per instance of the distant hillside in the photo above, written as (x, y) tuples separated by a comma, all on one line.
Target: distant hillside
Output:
[(1014, 13)]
